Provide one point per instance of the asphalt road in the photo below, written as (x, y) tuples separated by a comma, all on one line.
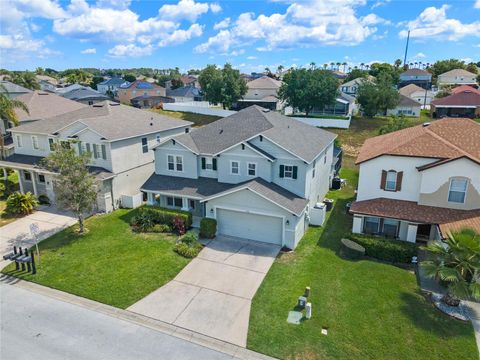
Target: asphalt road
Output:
[(37, 327)]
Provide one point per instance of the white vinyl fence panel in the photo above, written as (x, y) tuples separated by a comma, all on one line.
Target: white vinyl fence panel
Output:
[(194, 107)]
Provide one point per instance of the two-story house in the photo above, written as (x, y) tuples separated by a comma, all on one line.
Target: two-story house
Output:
[(128, 91), (110, 85), (351, 87), (419, 77), (262, 92), (256, 172), (118, 138), (457, 77), (420, 182)]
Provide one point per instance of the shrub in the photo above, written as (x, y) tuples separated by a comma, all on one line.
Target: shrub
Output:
[(166, 216), (21, 204), (208, 228), (386, 249), (190, 238), (44, 200), (352, 250), (161, 228), (179, 225), (142, 222), (188, 251)]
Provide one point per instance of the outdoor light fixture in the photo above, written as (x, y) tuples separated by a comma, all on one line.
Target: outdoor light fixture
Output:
[(211, 211), (287, 222)]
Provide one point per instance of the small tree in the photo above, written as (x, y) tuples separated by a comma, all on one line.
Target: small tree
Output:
[(75, 187), (377, 97), (394, 124), (456, 263)]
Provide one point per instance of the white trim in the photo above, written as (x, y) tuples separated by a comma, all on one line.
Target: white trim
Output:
[(248, 169), (235, 161), (35, 141), (166, 140), (171, 194), (19, 140), (282, 217), (175, 156), (450, 189), (284, 177)]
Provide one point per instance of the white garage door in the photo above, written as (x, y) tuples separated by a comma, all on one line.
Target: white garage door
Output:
[(250, 226)]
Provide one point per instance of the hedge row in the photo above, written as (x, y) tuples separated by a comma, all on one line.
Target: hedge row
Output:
[(386, 249), (161, 215)]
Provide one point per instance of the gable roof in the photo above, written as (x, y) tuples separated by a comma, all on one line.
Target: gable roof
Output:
[(458, 72), (301, 140), (410, 89), (184, 91), (408, 102), (264, 82), (116, 80), (463, 88), (111, 120), (47, 78), (42, 104), (460, 98), (13, 88), (442, 139), (140, 85), (415, 72), (83, 94), (355, 82)]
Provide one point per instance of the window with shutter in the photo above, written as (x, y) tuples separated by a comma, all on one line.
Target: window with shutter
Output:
[(204, 163), (399, 180), (383, 179), (282, 171), (214, 164), (391, 181), (95, 151)]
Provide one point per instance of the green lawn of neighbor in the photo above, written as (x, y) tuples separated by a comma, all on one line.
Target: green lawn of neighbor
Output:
[(109, 264), (197, 119), (372, 310)]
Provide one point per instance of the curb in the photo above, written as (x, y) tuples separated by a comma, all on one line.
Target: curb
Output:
[(237, 352)]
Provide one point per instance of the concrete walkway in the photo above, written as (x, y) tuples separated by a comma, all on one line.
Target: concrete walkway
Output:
[(213, 293), (49, 219)]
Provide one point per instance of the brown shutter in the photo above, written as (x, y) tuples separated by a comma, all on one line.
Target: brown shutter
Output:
[(384, 180), (399, 181)]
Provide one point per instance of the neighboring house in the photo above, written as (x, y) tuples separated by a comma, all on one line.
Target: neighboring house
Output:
[(416, 76), (111, 85), (85, 95), (464, 103), (128, 91), (190, 80), (420, 182), (420, 95), (47, 83), (463, 88), (457, 77), (351, 87), (185, 94), (262, 92), (406, 107), (118, 137), (256, 172), (66, 89), (13, 90), (150, 101)]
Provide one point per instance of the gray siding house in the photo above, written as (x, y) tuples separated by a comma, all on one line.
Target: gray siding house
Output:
[(118, 137), (256, 172)]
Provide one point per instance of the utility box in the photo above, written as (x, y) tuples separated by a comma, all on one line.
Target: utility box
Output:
[(132, 201), (318, 214), (308, 310), (302, 301)]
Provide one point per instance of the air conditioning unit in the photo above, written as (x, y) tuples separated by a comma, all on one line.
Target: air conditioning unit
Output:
[(318, 214)]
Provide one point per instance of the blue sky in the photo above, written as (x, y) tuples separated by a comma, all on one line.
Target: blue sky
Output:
[(249, 34)]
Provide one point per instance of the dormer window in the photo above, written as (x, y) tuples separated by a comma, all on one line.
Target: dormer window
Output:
[(457, 191)]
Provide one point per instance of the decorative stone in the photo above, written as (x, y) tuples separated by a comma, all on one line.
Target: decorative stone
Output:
[(459, 312)]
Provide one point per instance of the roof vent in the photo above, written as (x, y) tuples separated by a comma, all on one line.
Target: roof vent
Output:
[(425, 124), (221, 131), (266, 110), (151, 124)]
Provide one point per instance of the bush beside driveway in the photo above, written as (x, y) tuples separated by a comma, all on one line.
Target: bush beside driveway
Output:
[(109, 263)]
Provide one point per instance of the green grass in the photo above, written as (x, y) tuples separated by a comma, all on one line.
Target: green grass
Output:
[(109, 264), (197, 119), (372, 310)]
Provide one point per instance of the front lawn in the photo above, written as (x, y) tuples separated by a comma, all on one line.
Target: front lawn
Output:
[(109, 264), (372, 310)]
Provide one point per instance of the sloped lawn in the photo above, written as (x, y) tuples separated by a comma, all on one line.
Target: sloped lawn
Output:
[(372, 310), (109, 264)]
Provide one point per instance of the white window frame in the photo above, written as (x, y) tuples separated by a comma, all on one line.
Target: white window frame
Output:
[(231, 167), (35, 144), (44, 179), (158, 138), (19, 140), (144, 146), (25, 177), (372, 217), (98, 151), (208, 163), (170, 162), (254, 168), (51, 143), (177, 157), (457, 191), (290, 171), (394, 181)]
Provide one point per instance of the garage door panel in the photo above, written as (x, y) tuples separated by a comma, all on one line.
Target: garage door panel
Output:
[(250, 226)]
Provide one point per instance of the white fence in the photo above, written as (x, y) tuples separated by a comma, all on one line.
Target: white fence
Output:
[(197, 107), (325, 123)]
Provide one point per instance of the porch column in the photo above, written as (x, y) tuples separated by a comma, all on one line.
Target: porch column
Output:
[(185, 206), (357, 225), (412, 233), (150, 198), (20, 180), (34, 183)]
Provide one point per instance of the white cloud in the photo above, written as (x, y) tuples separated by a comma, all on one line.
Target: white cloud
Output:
[(225, 23), (434, 23), (114, 4), (215, 8), (184, 10), (89, 51), (477, 4), (420, 55), (251, 57), (130, 50), (180, 36), (303, 24), (379, 3)]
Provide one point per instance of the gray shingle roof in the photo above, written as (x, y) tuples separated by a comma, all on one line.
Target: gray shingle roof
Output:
[(184, 91), (84, 94), (205, 188), (264, 82), (408, 102), (302, 140), (111, 120), (14, 88), (113, 81)]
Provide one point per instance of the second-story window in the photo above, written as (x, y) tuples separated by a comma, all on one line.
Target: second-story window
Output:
[(175, 163), (144, 145), (35, 142), (19, 141), (179, 163), (104, 152), (391, 182), (252, 169), (51, 144), (288, 172), (234, 168), (171, 162), (457, 191), (158, 139)]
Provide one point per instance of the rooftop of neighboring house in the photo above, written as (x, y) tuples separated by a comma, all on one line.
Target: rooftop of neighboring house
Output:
[(410, 89), (457, 72), (189, 79), (184, 91), (463, 88), (42, 104), (415, 72), (264, 82), (111, 120), (140, 85), (445, 140), (302, 140), (47, 78), (467, 97), (355, 82), (68, 88), (405, 101), (116, 80), (84, 93), (13, 88)]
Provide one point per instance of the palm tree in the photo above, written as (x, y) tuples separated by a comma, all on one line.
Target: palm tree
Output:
[(332, 64), (26, 79), (344, 64), (361, 66), (338, 66), (457, 264), (397, 63), (325, 66), (312, 65)]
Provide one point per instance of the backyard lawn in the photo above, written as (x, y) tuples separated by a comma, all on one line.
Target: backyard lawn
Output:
[(197, 119), (109, 264), (372, 310)]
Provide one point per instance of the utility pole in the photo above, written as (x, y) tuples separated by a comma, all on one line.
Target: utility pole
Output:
[(406, 50)]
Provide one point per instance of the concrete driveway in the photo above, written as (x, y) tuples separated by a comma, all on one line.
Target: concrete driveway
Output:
[(213, 293), (49, 219)]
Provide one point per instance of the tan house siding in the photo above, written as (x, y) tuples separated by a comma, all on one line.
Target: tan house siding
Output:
[(125, 95), (439, 198)]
